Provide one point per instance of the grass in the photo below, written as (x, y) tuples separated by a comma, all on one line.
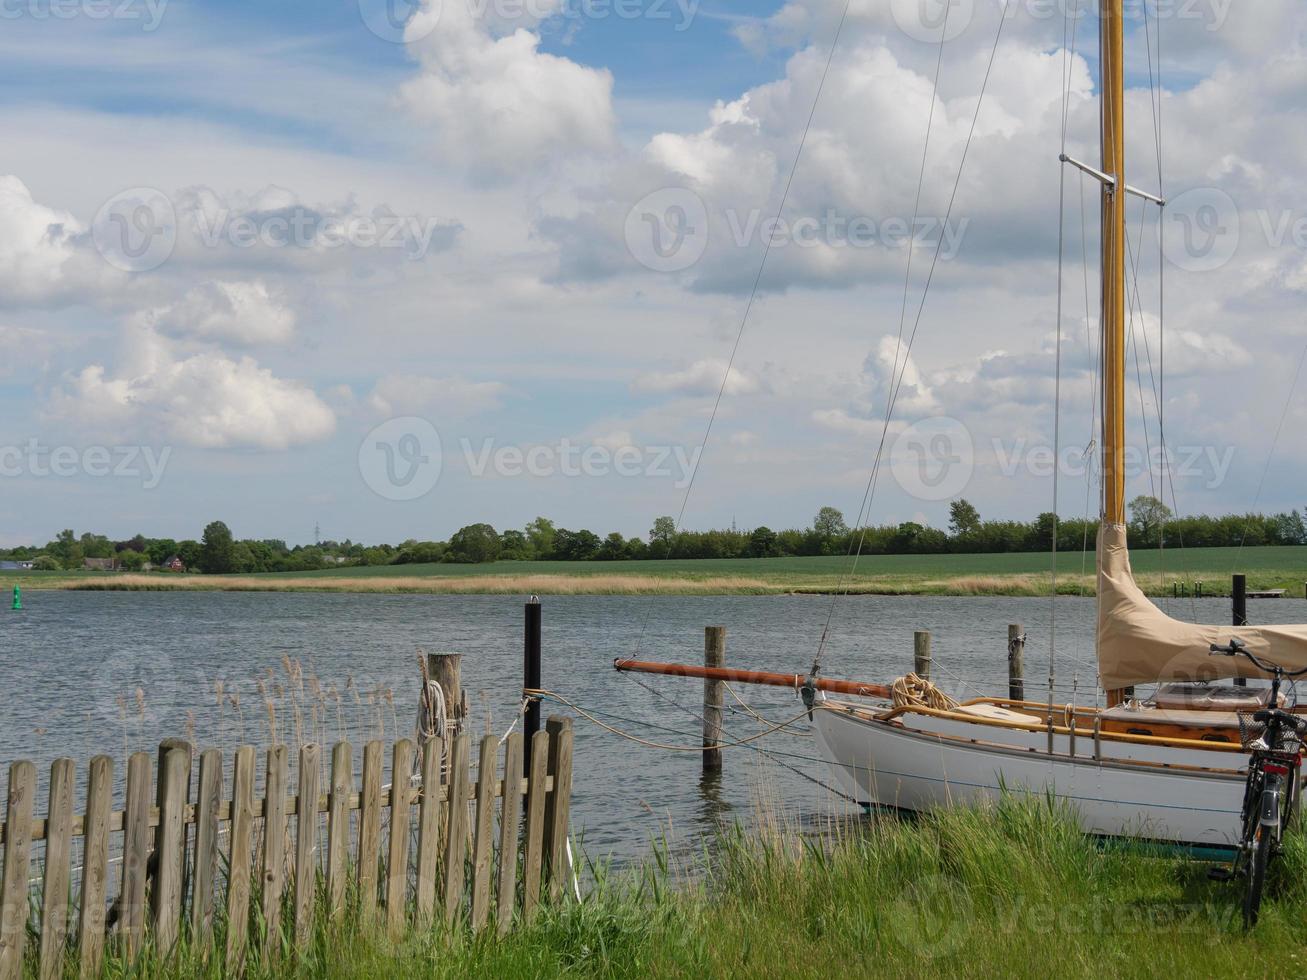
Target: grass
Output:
[(1023, 574), (1008, 890)]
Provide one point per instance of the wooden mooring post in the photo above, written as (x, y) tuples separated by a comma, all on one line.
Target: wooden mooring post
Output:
[(1016, 647), (714, 698), (531, 676), (446, 670), (921, 654), (1239, 603)]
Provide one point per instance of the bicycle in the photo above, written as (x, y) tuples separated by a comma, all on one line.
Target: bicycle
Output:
[(1274, 739)]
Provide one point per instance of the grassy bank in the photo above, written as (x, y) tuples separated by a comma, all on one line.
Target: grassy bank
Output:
[(1001, 574), (1010, 891)]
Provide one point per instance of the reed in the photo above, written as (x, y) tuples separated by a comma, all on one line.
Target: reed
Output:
[(1008, 890)]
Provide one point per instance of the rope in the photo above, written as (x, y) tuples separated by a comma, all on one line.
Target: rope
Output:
[(562, 699), (912, 691), (750, 711)]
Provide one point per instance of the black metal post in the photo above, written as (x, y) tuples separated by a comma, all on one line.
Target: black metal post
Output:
[(1239, 595), (531, 677)]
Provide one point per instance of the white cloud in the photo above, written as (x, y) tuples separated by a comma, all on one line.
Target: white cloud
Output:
[(700, 378), (412, 394), (205, 400), (240, 312), (35, 243), (496, 102)]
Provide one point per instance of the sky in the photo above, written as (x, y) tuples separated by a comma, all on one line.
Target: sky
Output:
[(378, 269)]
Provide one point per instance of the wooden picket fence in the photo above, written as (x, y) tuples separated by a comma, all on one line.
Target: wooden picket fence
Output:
[(171, 881)]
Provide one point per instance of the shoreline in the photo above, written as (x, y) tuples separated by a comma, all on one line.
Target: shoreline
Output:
[(1011, 586)]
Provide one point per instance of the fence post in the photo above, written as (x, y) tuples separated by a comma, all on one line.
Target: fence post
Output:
[(95, 864), (306, 840), (482, 839), (1016, 646), (274, 842), (57, 871), (369, 829), (508, 831), (456, 828), (558, 806), (921, 654), (206, 843), (533, 852), (171, 853), (342, 785), (136, 852), (240, 860), (428, 831), (18, 860), (401, 769), (714, 698)]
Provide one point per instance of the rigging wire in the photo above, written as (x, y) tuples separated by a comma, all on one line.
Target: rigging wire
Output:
[(757, 279), (897, 384)]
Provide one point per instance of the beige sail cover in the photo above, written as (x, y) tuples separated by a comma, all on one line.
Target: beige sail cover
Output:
[(1140, 644)]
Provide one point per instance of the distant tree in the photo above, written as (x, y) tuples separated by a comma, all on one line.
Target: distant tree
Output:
[(541, 534), (762, 543), (67, 549), (613, 548), (663, 531), (189, 552), (576, 545), (131, 561), (514, 546), (1147, 517), (829, 524), (963, 518), (475, 543), (45, 563), (159, 550), (216, 550)]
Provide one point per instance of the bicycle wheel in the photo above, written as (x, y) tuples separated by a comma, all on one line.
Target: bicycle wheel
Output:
[(1260, 857)]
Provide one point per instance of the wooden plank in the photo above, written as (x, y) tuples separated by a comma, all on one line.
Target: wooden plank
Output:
[(509, 815), (558, 808), (424, 900), (136, 852), (338, 817), (171, 857), (164, 747), (274, 841), (95, 865), (483, 837), (369, 829), (240, 858), (456, 828), (57, 873), (306, 841), (18, 862), (536, 795), (206, 844), (401, 766)]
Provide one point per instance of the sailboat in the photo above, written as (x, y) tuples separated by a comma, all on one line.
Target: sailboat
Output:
[(1167, 768)]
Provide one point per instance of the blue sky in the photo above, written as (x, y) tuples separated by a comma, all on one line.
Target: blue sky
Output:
[(461, 229)]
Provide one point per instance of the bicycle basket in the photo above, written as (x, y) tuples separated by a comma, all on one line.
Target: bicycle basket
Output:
[(1249, 730)]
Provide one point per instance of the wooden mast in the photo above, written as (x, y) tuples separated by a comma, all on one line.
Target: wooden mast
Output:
[(1112, 45), (1114, 283)]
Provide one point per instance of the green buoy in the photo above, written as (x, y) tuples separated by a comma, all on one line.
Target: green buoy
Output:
[(18, 597)]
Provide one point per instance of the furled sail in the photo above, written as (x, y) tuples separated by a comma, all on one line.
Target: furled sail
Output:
[(1140, 644)]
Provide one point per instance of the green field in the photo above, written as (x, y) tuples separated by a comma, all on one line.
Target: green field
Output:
[(998, 574)]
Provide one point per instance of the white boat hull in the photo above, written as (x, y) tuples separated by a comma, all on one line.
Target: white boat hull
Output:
[(940, 763)]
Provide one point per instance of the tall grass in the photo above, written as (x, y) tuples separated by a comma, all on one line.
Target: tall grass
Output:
[(1008, 890)]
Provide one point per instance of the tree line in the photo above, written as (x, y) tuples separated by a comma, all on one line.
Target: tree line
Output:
[(217, 551)]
